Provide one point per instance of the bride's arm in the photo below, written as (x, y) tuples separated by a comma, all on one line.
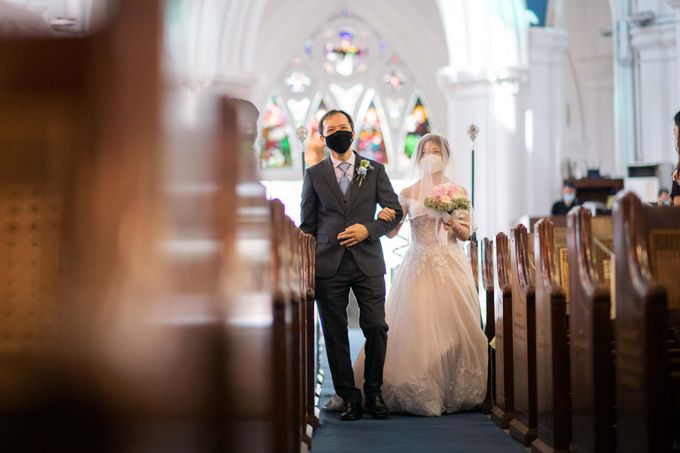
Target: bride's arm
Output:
[(395, 231), (459, 228)]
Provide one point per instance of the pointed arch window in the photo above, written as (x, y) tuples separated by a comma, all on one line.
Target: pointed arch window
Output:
[(275, 151), (349, 66), (315, 150), (371, 137), (417, 124)]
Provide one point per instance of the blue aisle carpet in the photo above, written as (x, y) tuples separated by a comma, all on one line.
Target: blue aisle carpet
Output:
[(464, 432)]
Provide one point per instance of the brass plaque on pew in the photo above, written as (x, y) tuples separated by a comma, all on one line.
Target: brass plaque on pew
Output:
[(560, 244), (664, 250), (564, 272)]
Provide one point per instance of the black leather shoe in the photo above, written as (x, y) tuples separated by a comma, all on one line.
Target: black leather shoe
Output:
[(352, 411), (376, 406)]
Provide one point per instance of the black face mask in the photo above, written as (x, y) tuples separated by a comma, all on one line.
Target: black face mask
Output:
[(339, 141)]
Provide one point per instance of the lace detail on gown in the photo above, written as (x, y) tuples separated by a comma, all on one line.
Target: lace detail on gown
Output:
[(425, 250)]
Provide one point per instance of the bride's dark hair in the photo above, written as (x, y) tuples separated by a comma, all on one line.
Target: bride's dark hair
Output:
[(436, 138)]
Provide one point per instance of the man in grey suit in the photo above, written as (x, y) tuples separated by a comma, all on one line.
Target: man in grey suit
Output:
[(339, 198)]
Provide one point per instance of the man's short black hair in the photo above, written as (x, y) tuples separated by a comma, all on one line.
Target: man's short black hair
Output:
[(569, 184), (333, 112)]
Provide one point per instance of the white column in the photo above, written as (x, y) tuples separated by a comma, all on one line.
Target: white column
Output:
[(657, 90), (546, 109), (625, 101), (675, 4), (490, 101)]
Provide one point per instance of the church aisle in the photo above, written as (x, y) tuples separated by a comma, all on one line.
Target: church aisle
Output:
[(464, 432)]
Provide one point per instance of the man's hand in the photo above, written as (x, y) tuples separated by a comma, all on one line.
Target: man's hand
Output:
[(353, 235), (387, 214)]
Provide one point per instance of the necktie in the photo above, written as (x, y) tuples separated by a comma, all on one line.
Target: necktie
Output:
[(344, 180)]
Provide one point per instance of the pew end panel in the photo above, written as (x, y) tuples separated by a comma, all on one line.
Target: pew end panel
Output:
[(552, 348), (647, 246), (524, 422), (591, 339), (487, 271), (503, 409)]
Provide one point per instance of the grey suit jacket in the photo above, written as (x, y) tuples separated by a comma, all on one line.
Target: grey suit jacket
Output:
[(326, 212)]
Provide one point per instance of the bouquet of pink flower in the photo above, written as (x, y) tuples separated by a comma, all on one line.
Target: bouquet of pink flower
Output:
[(447, 198)]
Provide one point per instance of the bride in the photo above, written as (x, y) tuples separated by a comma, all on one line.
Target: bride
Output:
[(436, 359)]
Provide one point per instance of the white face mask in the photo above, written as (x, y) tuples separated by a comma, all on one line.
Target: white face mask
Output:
[(432, 163)]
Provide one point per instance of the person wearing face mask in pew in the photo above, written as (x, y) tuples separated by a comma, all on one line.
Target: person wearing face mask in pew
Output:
[(568, 201), (663, 198)]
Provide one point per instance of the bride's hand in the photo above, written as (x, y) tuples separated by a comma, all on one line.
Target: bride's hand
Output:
[(387, 214), (451, 224)]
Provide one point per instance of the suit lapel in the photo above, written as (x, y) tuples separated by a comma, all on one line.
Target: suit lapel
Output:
[(354, 186), (332, 181)]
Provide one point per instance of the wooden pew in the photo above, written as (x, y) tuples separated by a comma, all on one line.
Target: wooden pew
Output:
[(312, 411), (503, 409), (647, 249), (275, 287), (139, 315), (473, 256), (79, 159), (301, 328), (283, 374), (552, 348), (524, 422), (487, 267), (591, 335)]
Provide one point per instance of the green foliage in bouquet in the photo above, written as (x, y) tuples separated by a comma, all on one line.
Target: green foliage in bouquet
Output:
[(461, 203)]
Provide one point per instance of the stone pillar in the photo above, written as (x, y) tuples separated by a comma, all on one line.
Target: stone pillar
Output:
[(545, 116), (489, 100), (675, 4), (657, 90)]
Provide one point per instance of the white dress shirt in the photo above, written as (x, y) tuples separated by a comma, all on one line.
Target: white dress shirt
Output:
[(350, 170)]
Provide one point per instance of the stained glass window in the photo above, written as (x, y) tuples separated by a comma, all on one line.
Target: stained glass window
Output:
[(346, 98), (394, 108), (321, 110), (345, 55), (417, 125), (348, 66), (371, 140), (298, 82), (298, 109), (394, 80), (275, 151), (315, 150)]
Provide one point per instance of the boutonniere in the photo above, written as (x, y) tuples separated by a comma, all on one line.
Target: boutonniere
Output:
[(362, 170)]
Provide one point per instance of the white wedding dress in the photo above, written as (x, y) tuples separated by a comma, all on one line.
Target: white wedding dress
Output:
[(436, 359)]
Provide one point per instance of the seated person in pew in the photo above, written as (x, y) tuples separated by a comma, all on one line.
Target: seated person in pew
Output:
[(568, 200), (663, 198)]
